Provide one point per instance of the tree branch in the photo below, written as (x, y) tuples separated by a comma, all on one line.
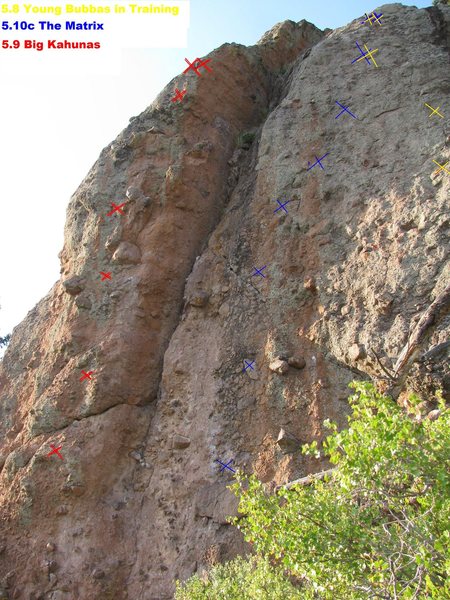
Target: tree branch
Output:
[(428, 322), (390, 375), (306, 480)]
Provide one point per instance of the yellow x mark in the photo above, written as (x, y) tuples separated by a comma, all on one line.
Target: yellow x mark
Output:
[(435, 110), (441, 167), (369, 54), (372, 16)]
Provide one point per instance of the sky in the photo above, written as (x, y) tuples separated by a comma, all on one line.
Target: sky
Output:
[(55, 120)]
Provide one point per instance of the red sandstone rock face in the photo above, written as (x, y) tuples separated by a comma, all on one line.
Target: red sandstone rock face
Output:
[(138, 499)]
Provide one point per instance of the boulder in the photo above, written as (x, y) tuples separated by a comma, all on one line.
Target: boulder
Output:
[(136, 455), (356, 352), (224, 310), (310, 284), (74, 285), (279, 366), (98, 573), (133, 193), (113, 239), (199, 298), (83, 301), (180, 442), (217, 502), (287, 442), (127, 254), (434, 414), (297, 362), (51, 566)]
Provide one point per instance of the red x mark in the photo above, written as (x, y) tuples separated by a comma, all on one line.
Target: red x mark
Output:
[(116, 208), (86, 375), (55, 451), (178, 95), (105, 275), (195, 68)]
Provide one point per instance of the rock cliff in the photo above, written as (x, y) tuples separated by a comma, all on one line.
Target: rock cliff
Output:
[(245, 284)]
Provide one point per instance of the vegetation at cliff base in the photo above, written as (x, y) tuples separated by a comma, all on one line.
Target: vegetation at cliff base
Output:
[(240, 578), (376, 527)]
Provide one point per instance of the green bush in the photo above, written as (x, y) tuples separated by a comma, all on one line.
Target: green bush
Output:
[(245, 140), (377, 527), (239, 579)]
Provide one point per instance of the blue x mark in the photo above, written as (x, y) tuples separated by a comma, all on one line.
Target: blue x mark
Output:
[(317, 162), (281, 206), (362, 54), (372, 16), (248, 365), (345, 109), (259, 271), (225, 466)]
